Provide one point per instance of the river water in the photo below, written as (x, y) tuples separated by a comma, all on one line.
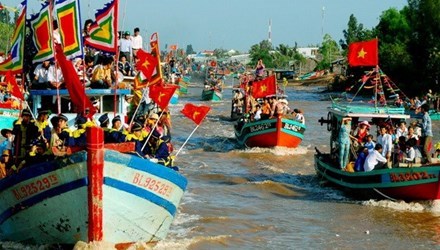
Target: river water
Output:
[(271, 199)]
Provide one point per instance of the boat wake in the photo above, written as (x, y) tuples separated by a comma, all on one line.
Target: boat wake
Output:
[(278, 151), (400, 205)]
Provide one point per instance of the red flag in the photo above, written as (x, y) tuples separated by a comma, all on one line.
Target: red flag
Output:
[(12, 86), (363, 53), (195, 113), (147, 63), (73, 84), (264, 87), (161, 94)]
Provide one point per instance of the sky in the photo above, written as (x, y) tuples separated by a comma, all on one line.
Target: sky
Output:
[(237, 24)]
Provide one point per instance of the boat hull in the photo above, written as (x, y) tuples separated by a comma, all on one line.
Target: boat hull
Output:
[(211, 95), (416, 183), (7, 117), (279, 132), (50, 203)]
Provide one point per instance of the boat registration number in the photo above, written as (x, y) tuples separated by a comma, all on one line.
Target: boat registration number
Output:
[(153, 185), (292, 127), (401, 177), (35, 187), (259, 127)]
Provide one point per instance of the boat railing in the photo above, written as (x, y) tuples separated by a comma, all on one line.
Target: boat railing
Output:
[(367, 108)]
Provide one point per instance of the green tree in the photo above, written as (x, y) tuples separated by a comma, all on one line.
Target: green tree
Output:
[(329, 50), (220, 53), (424, 18), (355, 32), (286, 57), (394, 34), (261, 50), (6, 32)]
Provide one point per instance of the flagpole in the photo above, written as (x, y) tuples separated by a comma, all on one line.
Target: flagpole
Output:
[(187, 139), (137, 108)]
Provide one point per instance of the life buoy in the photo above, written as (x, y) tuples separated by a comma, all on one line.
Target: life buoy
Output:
[(213, 63)]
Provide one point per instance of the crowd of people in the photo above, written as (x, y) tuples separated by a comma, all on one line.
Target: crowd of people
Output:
[(394, 144), (35, 141)]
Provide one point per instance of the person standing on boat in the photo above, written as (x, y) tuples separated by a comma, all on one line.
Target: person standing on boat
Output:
[(157, 150), (125, 46), (259, 69), (25, 131), (101, 76), (427, 132), (386, 141), (136, 42), (344, 142), (375, 159), (41, 76), (42, 123)]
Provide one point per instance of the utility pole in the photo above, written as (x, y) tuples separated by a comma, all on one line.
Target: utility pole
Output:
[(322, 21)]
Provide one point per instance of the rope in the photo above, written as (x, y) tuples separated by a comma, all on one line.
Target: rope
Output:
[(384, 195)]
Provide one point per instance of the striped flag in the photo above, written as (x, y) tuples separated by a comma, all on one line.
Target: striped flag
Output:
[(156, 77), (42, 34), (14, 61), (103, 32), (69, 22)]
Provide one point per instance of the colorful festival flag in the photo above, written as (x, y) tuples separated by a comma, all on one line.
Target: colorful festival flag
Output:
[(140, 81), (147, 63), (73, 84), (12, 86), (363, 53), (265, 87), (14, 60), (195, 113), (155, 51), (69, 23), (42, 34), (161, 94), (103, 32)]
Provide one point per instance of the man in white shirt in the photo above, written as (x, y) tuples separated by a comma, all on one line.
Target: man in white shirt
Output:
[(136, 42), (41, 76), (374, 159), (125, 46), (386, 141)]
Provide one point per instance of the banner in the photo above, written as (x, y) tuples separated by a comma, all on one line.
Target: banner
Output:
[(69, 22), (363, 53), (104, 31), (14, 60), (155, 51), (42, 34)]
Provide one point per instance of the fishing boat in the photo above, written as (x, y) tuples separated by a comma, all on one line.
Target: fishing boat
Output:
[(99, 193), (277, 132), (402, 179), (213, 85), (9, 106), (183, 82)]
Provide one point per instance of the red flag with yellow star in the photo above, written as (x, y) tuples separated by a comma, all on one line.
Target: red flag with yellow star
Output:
[(12, 86), (147, 63), (265, 87), (195, 113), (161, 94), (363, 53)]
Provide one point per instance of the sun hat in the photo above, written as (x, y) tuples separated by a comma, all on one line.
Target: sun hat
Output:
[(364, 123), (154, 116)]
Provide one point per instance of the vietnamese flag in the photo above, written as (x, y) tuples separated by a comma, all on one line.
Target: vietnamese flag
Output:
[(195, 113), (161, 94), (12, 86), (147, 63), (363, 53), (264, 87)]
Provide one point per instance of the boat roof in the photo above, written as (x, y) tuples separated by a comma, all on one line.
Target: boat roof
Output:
[(367, 110)]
